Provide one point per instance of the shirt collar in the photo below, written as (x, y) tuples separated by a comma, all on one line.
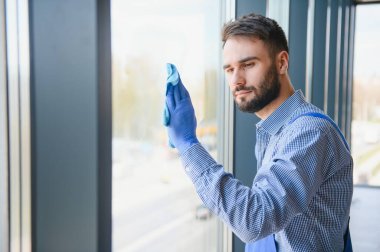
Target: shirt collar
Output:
[(282, 114)]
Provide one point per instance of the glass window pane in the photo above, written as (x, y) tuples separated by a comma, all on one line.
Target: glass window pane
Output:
[(366, 100), (155, 207)]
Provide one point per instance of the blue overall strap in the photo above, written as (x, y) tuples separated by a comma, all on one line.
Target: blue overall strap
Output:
[(266, 244), (347, 239), (323, 116), (347, 236)]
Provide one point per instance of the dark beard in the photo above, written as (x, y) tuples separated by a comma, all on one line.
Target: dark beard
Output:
[(267, 91)]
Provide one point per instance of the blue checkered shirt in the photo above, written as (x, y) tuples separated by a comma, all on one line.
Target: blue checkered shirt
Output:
[(303, 188)]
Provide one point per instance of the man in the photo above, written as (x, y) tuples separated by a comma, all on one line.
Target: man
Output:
[(301, 195)]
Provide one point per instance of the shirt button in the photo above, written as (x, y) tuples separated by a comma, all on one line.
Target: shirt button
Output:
[(187, 169)]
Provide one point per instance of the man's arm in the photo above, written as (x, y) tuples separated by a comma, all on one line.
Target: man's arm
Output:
[(282, 188)]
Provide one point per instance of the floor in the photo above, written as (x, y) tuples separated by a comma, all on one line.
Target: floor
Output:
[(365, 219)]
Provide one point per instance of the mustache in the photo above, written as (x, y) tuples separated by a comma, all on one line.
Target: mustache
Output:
[(243, 88)]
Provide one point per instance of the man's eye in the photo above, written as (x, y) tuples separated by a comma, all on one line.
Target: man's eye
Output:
[(229, 70), (248, 65)]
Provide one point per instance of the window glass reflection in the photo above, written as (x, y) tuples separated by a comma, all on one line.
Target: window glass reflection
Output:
[(155, 207), (366, 100)]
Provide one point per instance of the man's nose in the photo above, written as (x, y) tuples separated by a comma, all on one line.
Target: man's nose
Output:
[(237, 78)]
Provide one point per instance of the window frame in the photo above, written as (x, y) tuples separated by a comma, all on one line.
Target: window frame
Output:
[(4, 213), (16, 89)]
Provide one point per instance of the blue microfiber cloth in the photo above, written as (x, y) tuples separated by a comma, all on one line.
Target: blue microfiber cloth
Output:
[(172, 79), (173, 76)]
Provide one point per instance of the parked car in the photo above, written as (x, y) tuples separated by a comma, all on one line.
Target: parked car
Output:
[(202, 213)]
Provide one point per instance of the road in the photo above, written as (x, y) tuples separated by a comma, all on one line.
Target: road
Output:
[(154, 209)]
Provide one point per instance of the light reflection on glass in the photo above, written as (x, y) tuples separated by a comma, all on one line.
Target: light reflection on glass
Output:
[(155, 207), (366, 100)]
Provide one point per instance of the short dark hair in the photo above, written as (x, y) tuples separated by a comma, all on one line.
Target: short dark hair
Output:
[(259, 27)]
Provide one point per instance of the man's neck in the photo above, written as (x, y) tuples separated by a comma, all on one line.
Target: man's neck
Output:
[(286, 91)]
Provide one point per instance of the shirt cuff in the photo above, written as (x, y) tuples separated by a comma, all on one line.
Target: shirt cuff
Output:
[(196, 161)]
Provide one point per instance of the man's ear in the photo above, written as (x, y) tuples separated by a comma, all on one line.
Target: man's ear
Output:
[(282, 62)]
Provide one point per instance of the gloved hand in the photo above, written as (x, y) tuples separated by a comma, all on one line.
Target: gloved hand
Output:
[(182, 124)]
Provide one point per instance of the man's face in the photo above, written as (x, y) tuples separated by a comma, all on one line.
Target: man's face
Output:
[(251, 73)]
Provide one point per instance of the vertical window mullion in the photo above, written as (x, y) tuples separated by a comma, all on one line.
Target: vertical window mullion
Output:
[(24, 100), (18, 132), (14, 127), (226, 136), (4, 215)]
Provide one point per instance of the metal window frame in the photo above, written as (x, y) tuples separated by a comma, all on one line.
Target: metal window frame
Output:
[(4, 214), (18, 92), (279, 11), (345, 78), (297, 41), (350, 73), (327, 57), (366, 1), (71, 134), (244, 135), (309, 50), (226, 128), (338, 62)]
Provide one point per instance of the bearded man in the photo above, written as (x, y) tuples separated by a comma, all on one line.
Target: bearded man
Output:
[(301, 195)]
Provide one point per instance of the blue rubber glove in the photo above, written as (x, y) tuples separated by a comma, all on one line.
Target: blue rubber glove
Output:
[(182, 123)]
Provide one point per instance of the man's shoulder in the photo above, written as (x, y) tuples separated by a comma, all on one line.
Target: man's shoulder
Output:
[(304, 119), (309, 123)]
